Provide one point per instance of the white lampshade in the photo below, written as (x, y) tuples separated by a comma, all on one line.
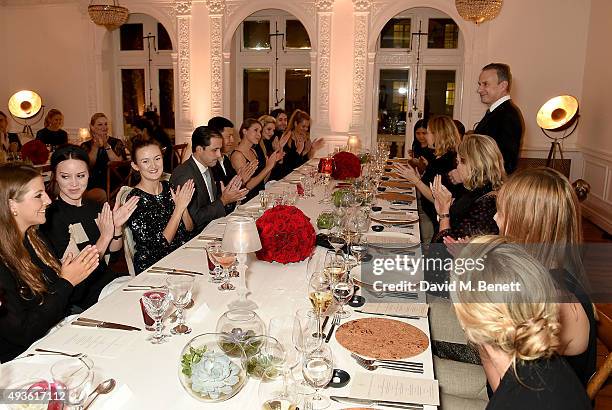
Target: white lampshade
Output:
[(241, 235)]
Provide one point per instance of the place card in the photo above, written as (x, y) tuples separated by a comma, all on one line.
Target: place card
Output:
[(397, 309), (108, 343), (394, 388)]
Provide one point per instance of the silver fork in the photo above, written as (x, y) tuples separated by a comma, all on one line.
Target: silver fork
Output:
[(372, 367), (371, 362), (335, 322), (58, 352)]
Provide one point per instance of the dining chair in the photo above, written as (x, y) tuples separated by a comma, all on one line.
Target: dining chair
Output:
[(604, 334), (118, 173), (128, 240), (178, 151)]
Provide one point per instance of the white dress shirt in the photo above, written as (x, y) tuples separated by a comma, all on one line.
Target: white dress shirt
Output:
[(203, 169)]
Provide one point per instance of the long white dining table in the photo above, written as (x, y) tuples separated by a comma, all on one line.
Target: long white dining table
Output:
[(148, 374)]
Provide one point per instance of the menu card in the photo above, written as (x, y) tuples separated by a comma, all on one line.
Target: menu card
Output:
[(397, 309), (107, 343), (393, 388), (398, 216)]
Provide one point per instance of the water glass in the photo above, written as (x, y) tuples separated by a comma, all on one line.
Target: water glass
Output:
[(343, 289), (75, 376), (156, 303), (180, 288), (317, 368), (305, 334), (277, 390)]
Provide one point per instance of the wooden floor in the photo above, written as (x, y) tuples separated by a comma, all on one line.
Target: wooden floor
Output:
[(592, 234)]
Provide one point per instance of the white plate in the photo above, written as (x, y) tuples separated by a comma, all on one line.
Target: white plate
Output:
[(397, 240)]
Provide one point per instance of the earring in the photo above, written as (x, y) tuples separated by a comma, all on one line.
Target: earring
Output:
[(15, 213)]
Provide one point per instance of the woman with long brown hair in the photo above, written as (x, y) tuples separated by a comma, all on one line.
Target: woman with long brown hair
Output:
[(36, 285)]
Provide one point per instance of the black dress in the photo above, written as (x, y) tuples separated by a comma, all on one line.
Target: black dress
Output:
[(97, 172), (439, 166), (293, 159), (54, 138), (23, 320), (543, 384), (148, 223), (66, 221), (425, 152), (261, 159)]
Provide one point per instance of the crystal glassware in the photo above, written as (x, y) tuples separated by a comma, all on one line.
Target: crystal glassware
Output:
[(317, 368), (226, 260), (305, 334), (262, 353), (216, 272), (277, 390), (319, 293), (241, 325), (281, 328), (156, 303), (343, 289), (180, 289), (75, 377)]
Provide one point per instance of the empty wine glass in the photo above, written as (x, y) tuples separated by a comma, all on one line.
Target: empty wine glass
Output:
[(156, 303), (343, 289), (180, 288), (74, 376), (281, 328), (305, 334), (359, 248), (336, 240), (317, 368)]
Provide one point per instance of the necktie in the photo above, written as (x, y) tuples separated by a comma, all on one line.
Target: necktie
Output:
[(209, 184)]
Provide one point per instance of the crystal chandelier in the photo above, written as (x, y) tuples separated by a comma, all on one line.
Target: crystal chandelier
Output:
[(478, 10), (110, 16)]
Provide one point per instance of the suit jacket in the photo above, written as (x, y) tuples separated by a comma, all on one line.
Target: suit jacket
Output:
[(201, 209), (224, 176), (505, 125)]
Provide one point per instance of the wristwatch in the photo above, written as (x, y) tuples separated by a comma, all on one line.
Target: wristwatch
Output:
[(443, 216)]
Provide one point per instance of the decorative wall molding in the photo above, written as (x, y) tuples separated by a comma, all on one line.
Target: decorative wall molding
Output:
[(360, 55), (324, 24), (216, 65), (324, 5), (362, 5), (184, 67), (215, 6), (182, 7)]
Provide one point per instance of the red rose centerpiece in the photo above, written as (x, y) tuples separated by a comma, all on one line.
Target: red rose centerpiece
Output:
[(286, 235), (35, 151), (347, 166)]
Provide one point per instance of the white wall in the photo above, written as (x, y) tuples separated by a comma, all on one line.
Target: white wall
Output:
[(595, 139)]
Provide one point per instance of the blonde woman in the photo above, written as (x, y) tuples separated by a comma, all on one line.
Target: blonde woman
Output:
[(538, 208), (443, 136), (296, 141), (517, 332), (53, 134)]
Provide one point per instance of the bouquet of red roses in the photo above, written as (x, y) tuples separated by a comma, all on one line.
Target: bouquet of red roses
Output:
[(35, 151), (347, 166), (286, 235)]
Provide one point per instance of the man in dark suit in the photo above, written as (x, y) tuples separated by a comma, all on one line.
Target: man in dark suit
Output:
[(503, 120), (211, 197)]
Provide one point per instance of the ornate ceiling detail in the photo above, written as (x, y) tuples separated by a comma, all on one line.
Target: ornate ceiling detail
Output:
[(215, 6), (362, 5)]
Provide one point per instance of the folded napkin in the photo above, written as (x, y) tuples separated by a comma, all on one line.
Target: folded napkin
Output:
[(397, 216), (403, 239)]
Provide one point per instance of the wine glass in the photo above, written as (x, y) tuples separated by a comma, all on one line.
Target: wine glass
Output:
[(359, 248), (335, 265), (180, 288), (336, 240), (343, 289), (281, 328), (317, 368), (277, 390), (319, 293), (216, 272), (226, 260), (156, 303), (305, 334), (74, 376)]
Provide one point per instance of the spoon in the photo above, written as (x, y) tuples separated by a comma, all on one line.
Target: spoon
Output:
[(104, 387)]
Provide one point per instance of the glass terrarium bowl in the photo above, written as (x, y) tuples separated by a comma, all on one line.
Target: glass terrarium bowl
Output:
[(262, 353), (241, 325), (212, 367)]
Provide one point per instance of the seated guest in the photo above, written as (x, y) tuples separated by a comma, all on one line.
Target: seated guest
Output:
[(460, 128), (53, 134), (442, 135), (539, 208), (245, 154), (298, 146), (74, 222), (270, 143), (143, 126), (101, 149), (37, 286), (516, 332), (160, 223), (210, 197), (280, 116), (224, 171), (9, 141), (420, 146), (481, 170)]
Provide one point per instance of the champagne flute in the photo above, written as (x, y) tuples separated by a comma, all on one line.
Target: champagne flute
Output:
[(156, 303), (335, 265), (317, 368), (343, 289), (319, 293), (180, 288)]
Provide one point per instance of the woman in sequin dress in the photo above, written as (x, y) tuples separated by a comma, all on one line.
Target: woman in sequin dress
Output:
[(161, 222)]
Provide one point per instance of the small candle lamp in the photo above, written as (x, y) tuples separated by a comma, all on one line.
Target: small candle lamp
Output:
[(353, 143), (84, 135), (326, 166), (241, 237)]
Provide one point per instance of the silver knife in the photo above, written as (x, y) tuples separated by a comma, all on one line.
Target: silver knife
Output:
[(386, 314), (106, 325), (174, 270), (385, 403)]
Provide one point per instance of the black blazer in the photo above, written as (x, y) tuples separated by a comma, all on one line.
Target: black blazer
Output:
[(222, 176), (201, 209), (506, 126)]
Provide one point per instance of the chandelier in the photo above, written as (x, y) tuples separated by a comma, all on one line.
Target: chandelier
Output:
[(110, 16), (478, 10)]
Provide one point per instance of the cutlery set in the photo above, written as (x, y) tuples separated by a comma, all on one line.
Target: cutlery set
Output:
[(83, 321), (384, 403), (371, 365)]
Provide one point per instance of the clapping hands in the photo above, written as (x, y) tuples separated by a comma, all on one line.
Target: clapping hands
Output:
[(233, 191), (407, 172), (246, 172), (76, 269), (182, 195), (442, 196)]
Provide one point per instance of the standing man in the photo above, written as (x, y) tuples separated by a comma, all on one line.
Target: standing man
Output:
[(211, 197), (503, 120)]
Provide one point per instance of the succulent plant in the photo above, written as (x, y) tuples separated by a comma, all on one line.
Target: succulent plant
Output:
[(214, 375)]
